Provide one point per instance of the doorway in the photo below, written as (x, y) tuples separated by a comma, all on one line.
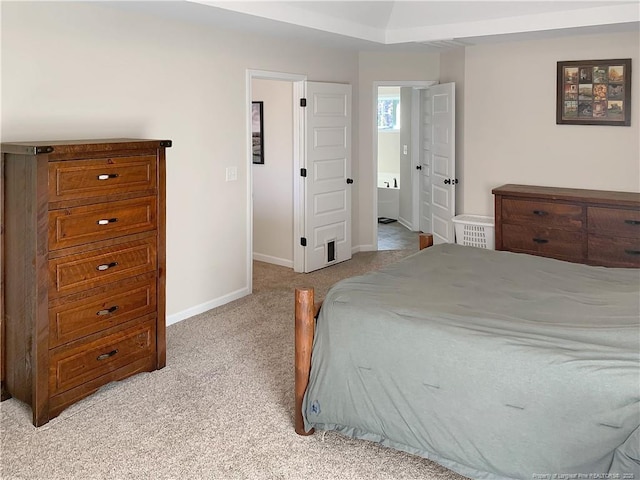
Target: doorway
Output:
[(276, 174), (320, 232), (396, 141)]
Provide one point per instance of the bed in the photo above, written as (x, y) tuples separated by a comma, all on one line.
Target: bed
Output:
[(496, 365)]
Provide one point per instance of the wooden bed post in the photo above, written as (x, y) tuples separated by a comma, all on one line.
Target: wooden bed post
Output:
[(304, 330)]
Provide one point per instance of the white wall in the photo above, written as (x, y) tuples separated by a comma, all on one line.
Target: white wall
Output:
[(389, 152), (510, 131), (273, 181), (379, 67), (75, 70)]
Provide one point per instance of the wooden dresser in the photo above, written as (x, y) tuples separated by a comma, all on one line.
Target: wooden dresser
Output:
[(84, 266), (587, 226)]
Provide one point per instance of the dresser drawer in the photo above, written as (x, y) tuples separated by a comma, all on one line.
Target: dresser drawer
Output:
[(74, 365), (548, 242), (616, 222), (125, 301), (614, 251), (77, 179), (82, 271), (80, 225), (544, 214)]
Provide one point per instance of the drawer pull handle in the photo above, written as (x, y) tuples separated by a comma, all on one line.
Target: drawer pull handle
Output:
[(540, 213), (106, 221), (107, 176), (106, 266), (104, 356), (541, 240), (632, 252), (632, 222), (107, 311)]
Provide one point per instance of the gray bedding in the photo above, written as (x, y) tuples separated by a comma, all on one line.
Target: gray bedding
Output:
[(493, 364)]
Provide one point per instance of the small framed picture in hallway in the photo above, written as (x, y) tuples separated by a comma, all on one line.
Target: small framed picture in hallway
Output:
[(257, 132)]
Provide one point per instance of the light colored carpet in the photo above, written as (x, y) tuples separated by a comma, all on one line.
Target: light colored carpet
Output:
[(221, 409)]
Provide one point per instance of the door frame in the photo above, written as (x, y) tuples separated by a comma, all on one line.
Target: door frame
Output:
[(416, 85), (298, 84)]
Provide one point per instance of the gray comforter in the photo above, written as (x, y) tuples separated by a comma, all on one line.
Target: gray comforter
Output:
[(493, 364)]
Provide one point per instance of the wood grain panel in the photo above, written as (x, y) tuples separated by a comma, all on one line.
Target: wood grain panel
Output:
[(548, 242), (98, 267), (86, 224), (614, 251), (73, 320), (540, 213), (605, 221), (77, 363), (102, 176)]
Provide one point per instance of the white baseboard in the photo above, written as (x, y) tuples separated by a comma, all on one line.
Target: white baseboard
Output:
[(363, 248), (283, 262), (405, 223), (203, 307)]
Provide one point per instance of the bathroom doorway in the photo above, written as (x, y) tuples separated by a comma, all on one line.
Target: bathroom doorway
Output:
[(396, 138)]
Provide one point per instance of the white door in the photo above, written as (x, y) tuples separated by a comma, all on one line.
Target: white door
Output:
[(327, 185), (438, 165)]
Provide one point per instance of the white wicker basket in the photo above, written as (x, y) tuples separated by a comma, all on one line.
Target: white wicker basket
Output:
[(475, 231)]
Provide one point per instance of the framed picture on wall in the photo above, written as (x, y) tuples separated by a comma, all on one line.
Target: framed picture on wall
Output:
[(257, 132), (594, 92)]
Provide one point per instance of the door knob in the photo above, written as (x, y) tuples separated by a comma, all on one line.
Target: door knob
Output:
[(418, 167), (349, 180)]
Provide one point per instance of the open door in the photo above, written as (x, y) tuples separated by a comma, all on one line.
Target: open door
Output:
[(438, 163), (326, 175)]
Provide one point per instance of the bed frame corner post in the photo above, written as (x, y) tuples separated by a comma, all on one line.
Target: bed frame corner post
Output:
[(304, 331)]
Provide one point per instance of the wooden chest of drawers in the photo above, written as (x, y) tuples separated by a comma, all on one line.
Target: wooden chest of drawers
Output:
[(84, 268), (586, 226)]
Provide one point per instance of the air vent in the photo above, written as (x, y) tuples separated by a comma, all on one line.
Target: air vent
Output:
[(446, 44)]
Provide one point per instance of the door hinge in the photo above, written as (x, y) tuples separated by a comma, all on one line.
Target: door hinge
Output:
[(42, 149), (303, 172), (303, 241), (303, 102)]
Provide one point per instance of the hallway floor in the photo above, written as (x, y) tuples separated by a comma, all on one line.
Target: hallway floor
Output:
[(394, 236)]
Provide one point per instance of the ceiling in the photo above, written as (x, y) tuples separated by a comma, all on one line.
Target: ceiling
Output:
[(406, 25)]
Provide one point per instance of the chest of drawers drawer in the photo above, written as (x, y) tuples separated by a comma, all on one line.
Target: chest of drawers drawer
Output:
[(86, 224), (614, 251), (77, 363), (614, 221), (548, 242), (614, 236), (79, 317), (87, 179), (543, 214), (83, 271), (85, 267)]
